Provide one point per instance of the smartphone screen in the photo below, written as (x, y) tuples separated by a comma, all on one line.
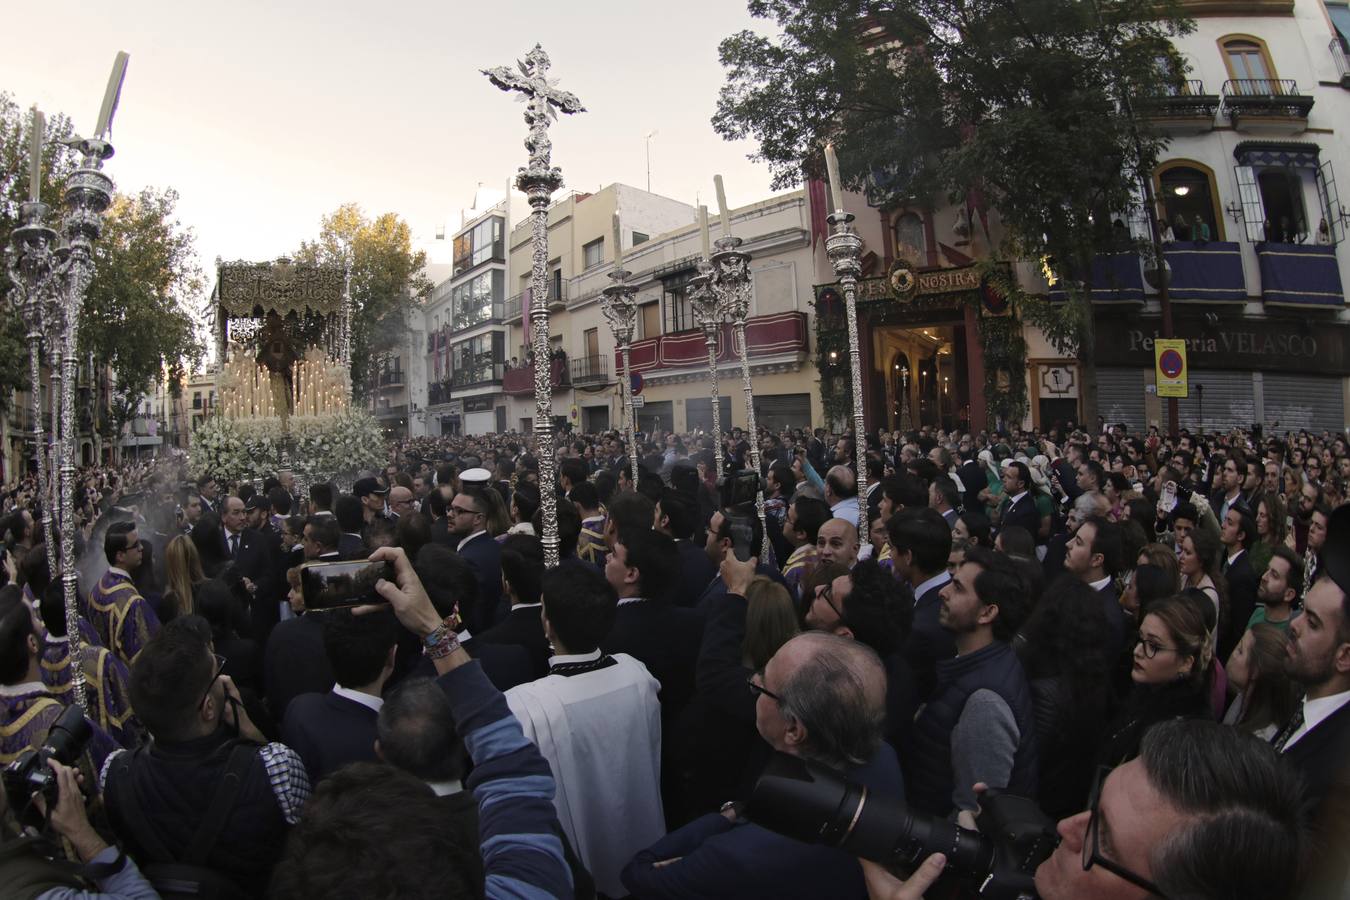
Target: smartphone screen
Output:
[(340, 584)]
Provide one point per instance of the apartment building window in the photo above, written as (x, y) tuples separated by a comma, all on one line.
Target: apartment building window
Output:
[(651, 321), (479, 244), (1187, 193), (478, 360), (679, 313), (640, 238), (478, 300), (1248, 62), (196, 399), (593, 254)]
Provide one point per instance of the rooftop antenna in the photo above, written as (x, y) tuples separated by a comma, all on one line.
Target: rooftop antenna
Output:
[(648, 138)]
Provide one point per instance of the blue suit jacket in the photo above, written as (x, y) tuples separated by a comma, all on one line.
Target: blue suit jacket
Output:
[(485, 556), (928, 643), (719, 859), (328, 732)]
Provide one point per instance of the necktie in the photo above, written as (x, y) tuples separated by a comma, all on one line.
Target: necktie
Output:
[(234, 546), (1288, 731)]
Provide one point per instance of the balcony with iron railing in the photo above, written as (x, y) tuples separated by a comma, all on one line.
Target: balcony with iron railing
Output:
[(1182, 108), (1338, 53), (1271, 105), (589, 371), (519, 381), (773, 338), (390, 378), (516, 306)]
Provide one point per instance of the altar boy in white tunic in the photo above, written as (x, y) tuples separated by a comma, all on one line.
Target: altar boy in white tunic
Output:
[(597, 721)]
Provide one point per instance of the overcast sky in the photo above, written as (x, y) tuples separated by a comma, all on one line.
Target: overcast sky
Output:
[(266, 115)]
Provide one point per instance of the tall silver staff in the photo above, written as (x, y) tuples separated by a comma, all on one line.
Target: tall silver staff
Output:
[(538, 181), (707, 307), (620, 311), (731, 282), (844, 249)]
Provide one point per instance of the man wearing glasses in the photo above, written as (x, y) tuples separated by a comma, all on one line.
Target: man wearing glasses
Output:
[(1203, 811), (174, 801), (468, 528)]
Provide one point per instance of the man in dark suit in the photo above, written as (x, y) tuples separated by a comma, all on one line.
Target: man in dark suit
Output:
[(1094, 554), (256, 558), (338, 727), (208, 492), (1238, 532), (643, 571), (920, 544), (294, 662), (522, 576), (350, 514), (676, 516), (1317, 740), (1019, 507), (468, 527)]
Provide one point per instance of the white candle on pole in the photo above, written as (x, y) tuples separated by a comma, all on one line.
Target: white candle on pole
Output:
[(618, 243), (722, 211), (703, 231), (35, 156), (111, 95), (832, 167)]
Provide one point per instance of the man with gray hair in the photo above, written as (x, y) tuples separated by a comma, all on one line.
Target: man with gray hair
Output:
[(821, 697)]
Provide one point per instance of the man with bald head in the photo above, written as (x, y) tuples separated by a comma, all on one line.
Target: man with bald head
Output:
[(400, 501), (841, 492), (837, 542), (821, 697)]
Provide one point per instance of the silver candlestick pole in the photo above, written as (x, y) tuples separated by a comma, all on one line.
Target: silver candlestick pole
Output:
[(620, 311), (538, 181), (844, 248), (709, 315), (731, 281), (31, 263)]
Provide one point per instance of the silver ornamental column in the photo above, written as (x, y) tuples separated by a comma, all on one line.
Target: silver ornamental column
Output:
[(538, 181), (620, 311), (731, 280), (708, 313), (844, 248), (31, 262)]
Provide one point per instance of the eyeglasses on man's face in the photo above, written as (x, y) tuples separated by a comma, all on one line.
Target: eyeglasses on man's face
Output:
[(220, 670), (756, 683), (1092, 841)]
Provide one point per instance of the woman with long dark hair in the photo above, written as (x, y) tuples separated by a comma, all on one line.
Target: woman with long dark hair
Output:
[(1266, 697), (1171, 674), (1061, 651)]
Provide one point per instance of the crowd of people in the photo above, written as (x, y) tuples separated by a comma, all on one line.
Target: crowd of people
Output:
[(1147, 637)]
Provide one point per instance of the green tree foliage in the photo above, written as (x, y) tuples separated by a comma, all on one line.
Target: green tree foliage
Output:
[(387, 281), (136, 315), (1022, 106)]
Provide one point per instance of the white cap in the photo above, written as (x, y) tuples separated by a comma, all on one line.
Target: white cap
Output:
[(475, 476)]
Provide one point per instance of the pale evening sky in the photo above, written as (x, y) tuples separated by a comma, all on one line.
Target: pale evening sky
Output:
[(265, 116)]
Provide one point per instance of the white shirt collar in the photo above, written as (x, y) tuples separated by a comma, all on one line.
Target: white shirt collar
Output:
[(470, 537), (526, 606), (123, 572), (1098, 585), (374, 703), (1232, 559), (1012, 500), (1314, 712), (937, 580), (574, 658), (624, 601), (445, 788)]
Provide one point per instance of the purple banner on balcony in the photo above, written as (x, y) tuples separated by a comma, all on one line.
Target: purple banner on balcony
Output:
[(1299, 275), (1206, 271), (1116, 278)]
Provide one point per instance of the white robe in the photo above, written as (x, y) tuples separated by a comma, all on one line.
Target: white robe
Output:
[(601, 734)]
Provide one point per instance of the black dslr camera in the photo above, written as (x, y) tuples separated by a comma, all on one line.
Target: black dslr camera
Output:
[(814, 804), (736, 494), (29, 773)]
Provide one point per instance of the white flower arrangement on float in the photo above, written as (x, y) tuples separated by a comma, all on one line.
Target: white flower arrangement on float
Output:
[(323, 447)]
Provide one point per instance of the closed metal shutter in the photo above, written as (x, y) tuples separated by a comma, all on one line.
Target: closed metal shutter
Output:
[(1294, 401), (1228, 401), (656, 415), (778, 411), (698, 413), (1120, 397)]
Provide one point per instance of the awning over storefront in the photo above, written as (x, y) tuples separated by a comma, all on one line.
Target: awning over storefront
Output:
[(1300, 275), (1206, 271)]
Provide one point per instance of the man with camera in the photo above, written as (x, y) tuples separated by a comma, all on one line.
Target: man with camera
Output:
[(208, 801), (821, 697)]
